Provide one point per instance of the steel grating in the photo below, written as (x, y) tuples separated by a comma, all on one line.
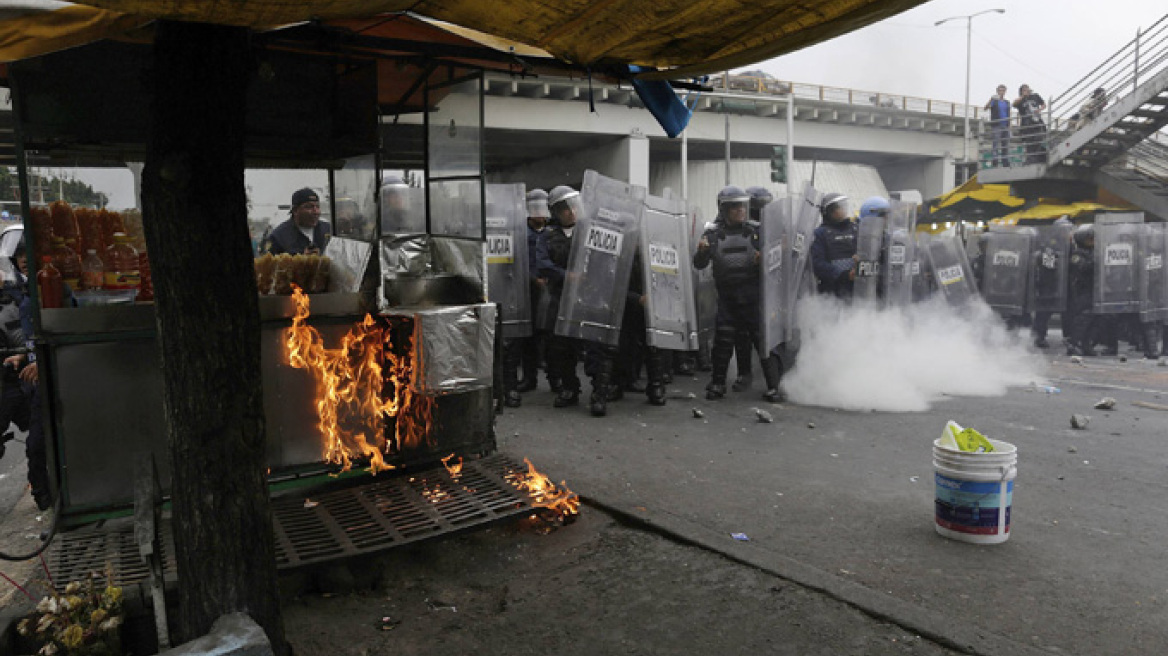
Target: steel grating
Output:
[(388, 512)]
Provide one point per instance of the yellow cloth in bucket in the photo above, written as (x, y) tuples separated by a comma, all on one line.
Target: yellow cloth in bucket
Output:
[(965, 439)]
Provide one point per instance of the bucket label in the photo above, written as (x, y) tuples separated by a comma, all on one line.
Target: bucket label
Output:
[(972, 506)]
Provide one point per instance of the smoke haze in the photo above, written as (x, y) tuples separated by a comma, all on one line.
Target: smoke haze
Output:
[(904, 359)]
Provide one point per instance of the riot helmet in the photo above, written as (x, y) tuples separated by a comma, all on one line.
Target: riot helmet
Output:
[(1063, 221), (565, 206), (730, 200), (875, 206), (1085, 236), (830, 204), (537, 204), (760, 197)]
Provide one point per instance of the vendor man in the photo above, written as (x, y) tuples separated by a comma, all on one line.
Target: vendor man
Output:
[(304, 232)]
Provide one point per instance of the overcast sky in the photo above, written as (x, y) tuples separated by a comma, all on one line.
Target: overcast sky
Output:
[(1048, 44)]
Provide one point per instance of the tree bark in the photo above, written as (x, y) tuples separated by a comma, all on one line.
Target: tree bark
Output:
[(195, 215)]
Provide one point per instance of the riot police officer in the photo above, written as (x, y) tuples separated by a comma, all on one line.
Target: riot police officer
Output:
[(833, 249), (555, 245), (534, 347), (1081, 292), (733, 249), (760, 197)]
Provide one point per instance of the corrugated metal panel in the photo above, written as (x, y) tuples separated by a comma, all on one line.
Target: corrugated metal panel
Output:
[(706, 178)]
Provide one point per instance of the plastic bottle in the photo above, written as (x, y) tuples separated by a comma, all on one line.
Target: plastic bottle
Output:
[(49, 284), (92, 270), (121, 264), (66, 261)]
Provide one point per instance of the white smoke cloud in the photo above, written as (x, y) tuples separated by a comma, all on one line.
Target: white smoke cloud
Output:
[(904, 359)]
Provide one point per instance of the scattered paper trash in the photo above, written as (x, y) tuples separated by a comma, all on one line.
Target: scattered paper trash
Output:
[(810, 424), (764, 417), (741, 537), (1080, 422), (1105, 403), (1075, 359), (698, 414), (913, 479)]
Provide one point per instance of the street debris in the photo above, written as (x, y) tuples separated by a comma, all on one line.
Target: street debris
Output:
[(698, 414), (434, 604), (1080, 422), (810, 424), (1076, 359), (1150, 406), (1071, 449), (309, 503), (913, 479), (741, 537), (1123, 358), (1105, 403), (764, 417), (387, 623)]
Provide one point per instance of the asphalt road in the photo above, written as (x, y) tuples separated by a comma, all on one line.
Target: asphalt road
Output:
[(846, 500)]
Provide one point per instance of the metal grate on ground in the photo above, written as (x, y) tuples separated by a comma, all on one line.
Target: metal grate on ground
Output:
[(388, 512)]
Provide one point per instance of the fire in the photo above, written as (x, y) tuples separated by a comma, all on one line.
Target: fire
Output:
[(454, 469), (350, 383), (545, 494)]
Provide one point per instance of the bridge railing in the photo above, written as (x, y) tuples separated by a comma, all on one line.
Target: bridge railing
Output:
[(844, 95)]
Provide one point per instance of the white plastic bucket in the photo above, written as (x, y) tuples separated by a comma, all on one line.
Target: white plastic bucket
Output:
[(974, 492)]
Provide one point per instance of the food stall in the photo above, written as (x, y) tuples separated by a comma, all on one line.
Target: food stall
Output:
[(418, 273)]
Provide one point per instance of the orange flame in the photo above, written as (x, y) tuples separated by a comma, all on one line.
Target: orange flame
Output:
[(349, 384), (454, 469), (545, 494)]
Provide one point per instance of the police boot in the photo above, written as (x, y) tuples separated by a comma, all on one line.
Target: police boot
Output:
[(602, 387), (716, 389), (599, 406), (658, 364), (566, 397), (743, 382), (512, 399), (772, 371)]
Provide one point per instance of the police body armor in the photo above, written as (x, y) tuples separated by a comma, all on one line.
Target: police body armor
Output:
[(1006, 273), (869, 245), (1049, 268), (601, 260), (1117, 242), (950, 268), (507, 262), (732, 252), (670, 311)]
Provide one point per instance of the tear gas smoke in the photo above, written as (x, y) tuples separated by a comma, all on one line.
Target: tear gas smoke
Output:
[(904, 359)]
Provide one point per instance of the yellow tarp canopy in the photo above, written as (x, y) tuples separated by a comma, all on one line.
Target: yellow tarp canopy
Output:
[(698, 35), (973, 193), (1050, 210)]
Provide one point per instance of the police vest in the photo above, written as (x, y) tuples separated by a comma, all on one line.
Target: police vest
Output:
[(733, 257)]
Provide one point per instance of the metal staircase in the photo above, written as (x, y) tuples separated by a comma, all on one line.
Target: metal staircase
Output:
[(1106, 129)]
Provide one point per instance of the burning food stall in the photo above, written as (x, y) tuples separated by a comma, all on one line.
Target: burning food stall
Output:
[(376, 353)]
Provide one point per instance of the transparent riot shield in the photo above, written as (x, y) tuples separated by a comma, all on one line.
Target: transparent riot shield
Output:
[(1049, 268), (869, 246), (776, 230), (670, 313), (601, 260), (507, 259), (1117, 243), (1153, 273), (705, 291), (900, 255), (922, 276), (950, 268), (1007, 270), (800, 282)]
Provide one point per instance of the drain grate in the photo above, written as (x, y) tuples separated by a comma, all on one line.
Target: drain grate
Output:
[(386, 513)]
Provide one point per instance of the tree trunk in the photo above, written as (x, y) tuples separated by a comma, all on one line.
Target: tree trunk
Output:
[(195, 215)]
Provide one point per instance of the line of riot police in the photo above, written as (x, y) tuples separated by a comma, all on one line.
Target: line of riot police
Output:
[(1107, 281)]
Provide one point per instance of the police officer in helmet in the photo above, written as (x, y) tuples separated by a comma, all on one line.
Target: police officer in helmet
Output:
[(733, 249), (1080, 299), (833, 249)]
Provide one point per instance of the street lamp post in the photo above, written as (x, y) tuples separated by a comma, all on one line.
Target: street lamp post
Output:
[(968, 60)]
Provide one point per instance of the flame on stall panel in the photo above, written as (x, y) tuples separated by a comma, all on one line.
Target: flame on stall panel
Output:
[(349, 384), (546, 494)]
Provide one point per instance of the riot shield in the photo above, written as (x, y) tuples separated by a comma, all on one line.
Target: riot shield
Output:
[(950, 268), (897, 281), (670, 313), (1049, 270), (1007, 270), (775, 293), (1153, 273), (800, 282), (507, 263), (869, 245), (705, 291), (1117, 243), (601, 261)]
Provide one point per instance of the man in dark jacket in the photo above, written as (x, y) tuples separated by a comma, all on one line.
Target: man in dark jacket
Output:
[(555, 245), (833, 249), (538, 214), (303, 232)]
